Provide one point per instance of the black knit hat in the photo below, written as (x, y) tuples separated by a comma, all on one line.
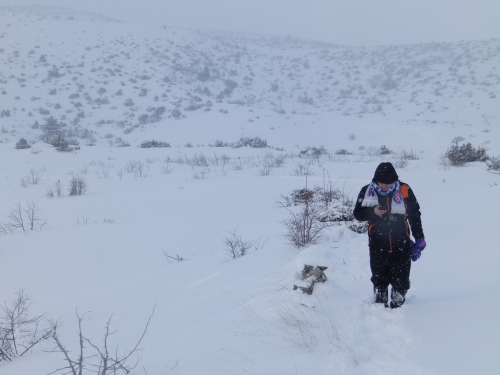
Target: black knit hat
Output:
[(385, 173)]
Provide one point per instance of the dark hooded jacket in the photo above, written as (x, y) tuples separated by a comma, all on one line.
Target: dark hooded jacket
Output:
[(391, 232)]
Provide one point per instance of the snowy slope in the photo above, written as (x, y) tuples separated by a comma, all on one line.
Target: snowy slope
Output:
[(104, 251)]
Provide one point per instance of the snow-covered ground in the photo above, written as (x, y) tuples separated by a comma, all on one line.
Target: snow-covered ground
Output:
[(110, 251)]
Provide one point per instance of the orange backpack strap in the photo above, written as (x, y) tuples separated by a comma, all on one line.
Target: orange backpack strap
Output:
[(404, 191)]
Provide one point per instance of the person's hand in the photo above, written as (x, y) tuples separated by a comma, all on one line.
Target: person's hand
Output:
[(379, 210), (418, 248)]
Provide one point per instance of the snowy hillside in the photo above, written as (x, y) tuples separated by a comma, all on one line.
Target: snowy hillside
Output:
[(108, 76), (233, 124)]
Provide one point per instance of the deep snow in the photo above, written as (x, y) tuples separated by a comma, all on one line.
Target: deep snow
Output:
[(103, 251)]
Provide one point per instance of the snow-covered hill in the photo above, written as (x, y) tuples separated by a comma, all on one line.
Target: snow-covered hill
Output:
[(104, 76), (148, 232)]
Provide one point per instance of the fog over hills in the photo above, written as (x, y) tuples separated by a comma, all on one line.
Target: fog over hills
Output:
[(146, 74)]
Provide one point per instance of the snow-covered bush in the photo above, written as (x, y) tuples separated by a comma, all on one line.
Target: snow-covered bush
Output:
[(305, 99), (54, 73), (176, 113), (219, 143), (255, 142), (358, 226), (339, 210), (313, 151), (153, 144), (342, 151), (121, 143), (459, 155), (128, 103), (494, 163), (61, 144), (384, 150), (22, 144)]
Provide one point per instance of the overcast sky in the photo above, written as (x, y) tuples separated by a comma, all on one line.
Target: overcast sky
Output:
[(352, 22)]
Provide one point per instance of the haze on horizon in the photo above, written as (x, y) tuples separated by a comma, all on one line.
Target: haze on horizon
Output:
[(353, 22)]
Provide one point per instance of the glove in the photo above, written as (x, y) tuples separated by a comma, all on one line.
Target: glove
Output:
[(418, 248)]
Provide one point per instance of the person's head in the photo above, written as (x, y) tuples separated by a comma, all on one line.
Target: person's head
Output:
[(385, 175)]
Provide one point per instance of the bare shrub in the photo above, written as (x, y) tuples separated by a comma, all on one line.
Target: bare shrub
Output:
[(57, 190), (235, 246), (167, 169), (25, 218), (399, 162), (444, 162), (303, 169), (372, 151), (279, 160), (237, 165), (137, 168), (457, 139), (49, 193), (270, 161), (19, 331), (408, 155), (103, 360), (169, 257), (198, 160), (78, 186), (304, 226), (32, 179), (202, 175)]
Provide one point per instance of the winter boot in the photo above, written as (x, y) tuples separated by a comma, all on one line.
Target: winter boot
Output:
[(397, 298), (381, 295)]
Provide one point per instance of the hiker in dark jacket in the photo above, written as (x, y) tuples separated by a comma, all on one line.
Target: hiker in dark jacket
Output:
[(389, 205)]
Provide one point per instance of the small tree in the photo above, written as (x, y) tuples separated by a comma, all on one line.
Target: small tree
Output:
[(51, 129)]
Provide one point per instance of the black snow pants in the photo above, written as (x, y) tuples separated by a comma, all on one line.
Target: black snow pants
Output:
[(390, 268)]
